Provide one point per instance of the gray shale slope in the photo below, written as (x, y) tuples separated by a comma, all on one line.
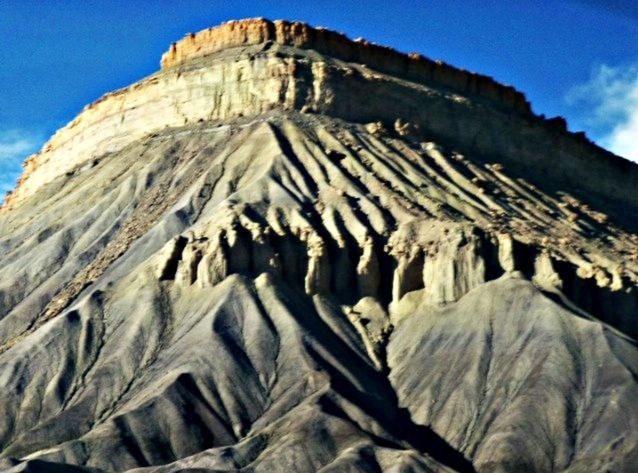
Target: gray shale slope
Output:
[(289, 251)]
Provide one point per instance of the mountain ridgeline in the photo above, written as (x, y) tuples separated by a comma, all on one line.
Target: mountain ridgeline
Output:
[(288, 251)]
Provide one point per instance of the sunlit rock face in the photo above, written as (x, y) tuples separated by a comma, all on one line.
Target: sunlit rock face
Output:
[(290, 251)]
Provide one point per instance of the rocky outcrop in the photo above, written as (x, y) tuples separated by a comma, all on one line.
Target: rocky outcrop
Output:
[(262, 271), (441, 262), (413, 67)]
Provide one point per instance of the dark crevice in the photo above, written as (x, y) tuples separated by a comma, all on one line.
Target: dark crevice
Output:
[(294, 263), (489, 252), (413, 274), (129, 442), (344, 269), (170, 269), (619, 308), (387, 267), (524, 258)]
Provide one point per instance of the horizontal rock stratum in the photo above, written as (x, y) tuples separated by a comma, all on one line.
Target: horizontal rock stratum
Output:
[(413, 67), (290, 251)]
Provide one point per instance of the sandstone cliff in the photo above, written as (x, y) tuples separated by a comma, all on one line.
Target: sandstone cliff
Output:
[(289, 251)]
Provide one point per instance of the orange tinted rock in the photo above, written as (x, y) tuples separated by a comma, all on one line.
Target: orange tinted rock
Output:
[(300, 35)]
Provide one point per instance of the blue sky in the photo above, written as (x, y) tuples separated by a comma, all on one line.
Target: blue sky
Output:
[(575, 58)]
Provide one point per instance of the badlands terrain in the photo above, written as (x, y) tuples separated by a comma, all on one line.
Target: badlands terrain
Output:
[(288, 251)]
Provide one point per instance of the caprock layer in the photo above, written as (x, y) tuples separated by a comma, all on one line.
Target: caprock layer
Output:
[(250, 67)]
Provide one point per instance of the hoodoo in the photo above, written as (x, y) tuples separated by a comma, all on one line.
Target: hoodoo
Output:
[(291, 251)]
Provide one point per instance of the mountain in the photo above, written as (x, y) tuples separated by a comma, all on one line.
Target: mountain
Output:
[(287, 251)]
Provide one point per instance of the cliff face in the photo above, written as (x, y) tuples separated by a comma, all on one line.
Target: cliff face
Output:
[(291, 66), (289, 251), (413, 67)]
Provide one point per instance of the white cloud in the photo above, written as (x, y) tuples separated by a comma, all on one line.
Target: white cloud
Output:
[(612, 95), (15, 146)]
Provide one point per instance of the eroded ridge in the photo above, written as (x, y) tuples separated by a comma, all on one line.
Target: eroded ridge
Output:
[(226, 279)]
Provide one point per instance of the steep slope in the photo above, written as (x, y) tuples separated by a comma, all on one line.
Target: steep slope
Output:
[(288, 251)]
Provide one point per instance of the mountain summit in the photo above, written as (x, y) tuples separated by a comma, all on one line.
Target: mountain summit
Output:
[(291, 251)]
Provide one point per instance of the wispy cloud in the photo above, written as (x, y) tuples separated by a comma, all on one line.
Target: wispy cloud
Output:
[(15, 145), (611, 96)]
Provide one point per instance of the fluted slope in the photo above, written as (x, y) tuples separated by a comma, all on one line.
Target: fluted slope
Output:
[(241, 264)]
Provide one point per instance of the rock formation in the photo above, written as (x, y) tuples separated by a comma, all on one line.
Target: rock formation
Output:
[(290, 251)]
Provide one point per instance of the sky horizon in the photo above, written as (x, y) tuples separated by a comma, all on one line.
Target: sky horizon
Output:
[(571, 58)]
